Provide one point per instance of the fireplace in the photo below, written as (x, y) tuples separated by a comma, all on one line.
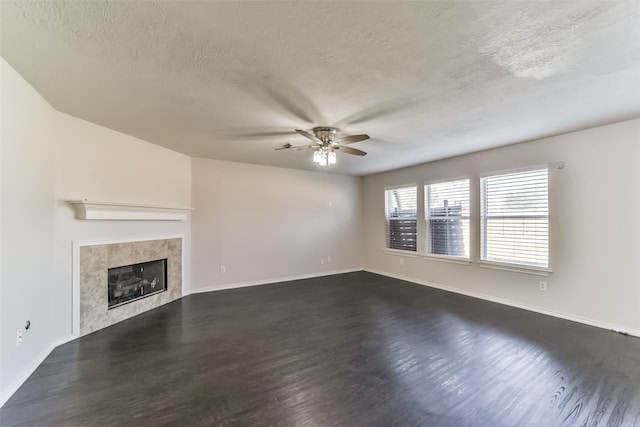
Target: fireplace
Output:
[(135, 281), (116, 280)]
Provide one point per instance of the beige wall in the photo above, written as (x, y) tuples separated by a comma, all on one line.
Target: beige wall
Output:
[(264, 223), (594, 212), (47, 158)]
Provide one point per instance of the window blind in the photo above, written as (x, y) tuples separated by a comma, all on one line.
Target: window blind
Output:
[(401, 207), (447, 214), (515, 218)]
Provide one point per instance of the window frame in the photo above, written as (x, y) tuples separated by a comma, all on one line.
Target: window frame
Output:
[(464, 260), (387, 249), (507, 266)]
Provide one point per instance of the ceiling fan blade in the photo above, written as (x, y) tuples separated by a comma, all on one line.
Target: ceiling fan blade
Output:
[(309, 135), (350, 150), (297, 147), (352, 138), (388, 108), (265, 134)]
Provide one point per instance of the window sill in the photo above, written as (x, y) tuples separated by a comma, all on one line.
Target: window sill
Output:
[(449, 259), (536, 271), (399, 252)]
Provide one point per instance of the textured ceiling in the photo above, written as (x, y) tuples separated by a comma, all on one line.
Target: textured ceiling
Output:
[(427, 80)]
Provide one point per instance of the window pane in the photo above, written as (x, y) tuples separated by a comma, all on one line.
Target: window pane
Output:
[(401, 215), (515, 218), (447, 212)]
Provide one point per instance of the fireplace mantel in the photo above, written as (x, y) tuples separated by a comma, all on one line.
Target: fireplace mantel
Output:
[(92, 210)]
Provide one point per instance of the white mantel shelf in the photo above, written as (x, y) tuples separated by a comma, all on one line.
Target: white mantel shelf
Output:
[(91, 210)]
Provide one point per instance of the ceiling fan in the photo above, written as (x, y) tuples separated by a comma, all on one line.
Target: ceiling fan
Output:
[(326, 143)]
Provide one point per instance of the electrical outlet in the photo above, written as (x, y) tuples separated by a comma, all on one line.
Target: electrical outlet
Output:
[(223, 269), (19, 337), (321, 260), (543, 286), (329, 258), (401, 261)]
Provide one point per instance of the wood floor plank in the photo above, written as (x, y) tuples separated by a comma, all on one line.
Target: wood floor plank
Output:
[(354, 349)]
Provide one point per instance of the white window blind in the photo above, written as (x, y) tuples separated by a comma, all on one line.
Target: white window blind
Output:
[(515, 218), (401, 208), (447, 214)]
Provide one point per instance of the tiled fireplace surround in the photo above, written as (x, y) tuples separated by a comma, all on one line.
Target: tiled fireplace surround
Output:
[(92, 262)]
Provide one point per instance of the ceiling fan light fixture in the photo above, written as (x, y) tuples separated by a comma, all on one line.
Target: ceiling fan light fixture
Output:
[(325, 144), (332, 157), (324, 156)]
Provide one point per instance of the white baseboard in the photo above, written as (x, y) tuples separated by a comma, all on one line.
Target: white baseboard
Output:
[(273, 280), (565, 316), (12, 388)]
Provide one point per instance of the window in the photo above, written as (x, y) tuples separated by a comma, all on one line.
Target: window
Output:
[(401, 208), (447, 213), (515, 218)]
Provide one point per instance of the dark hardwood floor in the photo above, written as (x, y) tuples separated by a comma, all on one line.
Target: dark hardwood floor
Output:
[(355, 349)]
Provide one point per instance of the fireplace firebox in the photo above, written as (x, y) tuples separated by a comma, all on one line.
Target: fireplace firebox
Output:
[(132, 282)]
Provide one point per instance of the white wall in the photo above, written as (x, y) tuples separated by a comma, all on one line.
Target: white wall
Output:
[(48, 158), (27, 217), (594, 223), (264, 223)]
